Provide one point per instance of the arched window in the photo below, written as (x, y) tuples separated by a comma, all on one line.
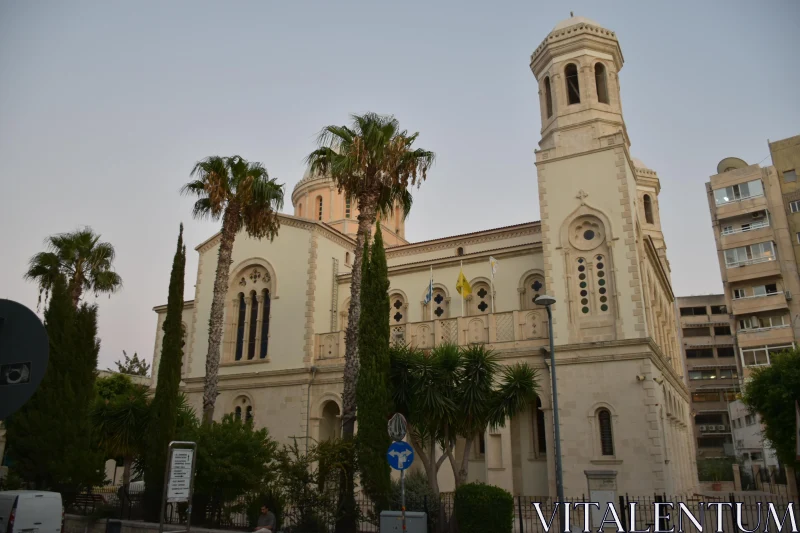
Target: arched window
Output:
[(240, 326), (606, 435), (533, 287), (242, 408), (440, 305), (600, 83), (265, 324), (397, 309), (330, 422), (573, 85), (237, 413), (593, 285), (347, 208), (481, 299), (459, 251), (540, 429), (319, 207), (251, 338), (548, 97), (648, 209), (248, 414)]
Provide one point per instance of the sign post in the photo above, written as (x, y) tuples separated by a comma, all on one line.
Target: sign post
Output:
[(179, 479), (400, 456)]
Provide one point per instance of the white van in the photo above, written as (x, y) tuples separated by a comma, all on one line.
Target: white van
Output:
[(30, 511)]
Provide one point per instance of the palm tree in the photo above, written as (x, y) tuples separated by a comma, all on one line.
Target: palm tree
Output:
[(373, 162), (120, 423), (81, 258), (244, 196)]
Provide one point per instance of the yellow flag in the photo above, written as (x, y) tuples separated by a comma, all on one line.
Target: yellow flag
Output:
[(462, 285)]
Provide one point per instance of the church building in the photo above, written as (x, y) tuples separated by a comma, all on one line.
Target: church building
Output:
[(599, 250)]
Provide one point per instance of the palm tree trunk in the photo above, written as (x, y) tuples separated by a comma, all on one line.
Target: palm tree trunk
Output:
[(210, 390), (366, 219), (76, 289)]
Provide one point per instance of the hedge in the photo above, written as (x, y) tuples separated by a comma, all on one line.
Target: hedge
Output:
[(481, 508)]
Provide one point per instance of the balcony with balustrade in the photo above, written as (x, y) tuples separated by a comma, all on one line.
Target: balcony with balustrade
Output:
[(749, 305), (514, 330)]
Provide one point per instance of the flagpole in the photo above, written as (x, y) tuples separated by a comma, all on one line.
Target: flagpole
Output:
[(430, 304), (462, 292)]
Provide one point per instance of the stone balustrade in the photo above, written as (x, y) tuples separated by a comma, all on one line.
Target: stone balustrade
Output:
[(502, 331)]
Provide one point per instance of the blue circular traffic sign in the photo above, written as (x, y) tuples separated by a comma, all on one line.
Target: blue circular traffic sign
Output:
[(400, 455)]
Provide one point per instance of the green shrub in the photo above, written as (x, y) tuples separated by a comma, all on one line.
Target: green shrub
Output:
[(481, 508)]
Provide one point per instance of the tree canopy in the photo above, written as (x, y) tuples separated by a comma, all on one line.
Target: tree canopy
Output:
[(132, 366)]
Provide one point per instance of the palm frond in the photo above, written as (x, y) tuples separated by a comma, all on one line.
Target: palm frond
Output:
[(517, 392)]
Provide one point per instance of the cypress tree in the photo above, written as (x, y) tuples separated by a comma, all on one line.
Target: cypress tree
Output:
[(50, 437), (164, 409), (372, 387)]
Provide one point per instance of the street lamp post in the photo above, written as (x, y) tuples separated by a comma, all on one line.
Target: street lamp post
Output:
[(547, 302)]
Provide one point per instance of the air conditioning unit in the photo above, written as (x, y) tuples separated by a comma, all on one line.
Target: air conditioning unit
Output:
[(702, 428), (720, 428), (758, 214), (788, 294)]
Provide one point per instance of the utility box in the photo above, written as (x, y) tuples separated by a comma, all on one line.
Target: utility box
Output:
[(392, 521)]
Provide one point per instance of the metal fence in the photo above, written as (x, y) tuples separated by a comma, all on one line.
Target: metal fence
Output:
[(749, 514)]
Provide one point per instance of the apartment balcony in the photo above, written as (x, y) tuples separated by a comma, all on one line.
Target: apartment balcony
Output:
[(777, 335), (741, 207), (756, 304), (516, 329), (758, 232), (753, 269)]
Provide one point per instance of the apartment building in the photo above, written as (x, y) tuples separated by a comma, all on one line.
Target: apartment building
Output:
[(709, 350), (751, 209)]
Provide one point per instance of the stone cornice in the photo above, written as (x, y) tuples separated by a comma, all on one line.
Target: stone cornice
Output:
[(663, 277), (466, 239), (476, 257), (565, 40), (188, 304), (289, 220)]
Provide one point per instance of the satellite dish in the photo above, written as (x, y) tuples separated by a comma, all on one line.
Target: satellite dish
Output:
[(24, 351)]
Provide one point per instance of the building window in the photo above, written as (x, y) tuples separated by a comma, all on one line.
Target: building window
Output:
[(702, 374), (243, 410), (722, 330), (729, 396), (719, 310), (749, 420), (600, 82), (725, 352), (347, 258), (708, 419), (693, 311), (237, 413), (740, 191), (481, 298), (705, 397), (548, 97), (749, 255), (533, 288), (541, 431), (648, 209), (739, 294), (439, 303), (397, 309), (696, 332), (699, 353), (240, 326), (606, 435), (789, 176), (265, 324), (459, 251), (765, 290), (727, 373), (319, 207), (794, 207), (798, 237), (573, 86), (347, 208), (251, 338), (711, 442)]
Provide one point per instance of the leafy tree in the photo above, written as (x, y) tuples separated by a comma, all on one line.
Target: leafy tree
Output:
[(133, 365), (244, 196), (373, 161), (120, 423), (456, 393), (233, 459), (772, 393), (164, 409), (81, 258), (50, 437), (112, 386), (372, 389)]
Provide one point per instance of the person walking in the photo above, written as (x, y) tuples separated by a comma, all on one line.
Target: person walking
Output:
[(266, 521)]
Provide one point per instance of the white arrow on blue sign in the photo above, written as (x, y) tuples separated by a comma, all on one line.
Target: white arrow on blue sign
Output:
[(400, 455)]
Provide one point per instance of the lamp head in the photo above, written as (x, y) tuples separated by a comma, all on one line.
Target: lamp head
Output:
[(545, 300)]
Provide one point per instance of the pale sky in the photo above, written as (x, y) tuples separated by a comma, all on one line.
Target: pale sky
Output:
[(106, 106)]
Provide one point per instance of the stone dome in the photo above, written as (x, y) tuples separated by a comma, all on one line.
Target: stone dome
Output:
[(572, 21)]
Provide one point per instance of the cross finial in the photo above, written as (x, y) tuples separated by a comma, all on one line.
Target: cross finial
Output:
[(581, 195)]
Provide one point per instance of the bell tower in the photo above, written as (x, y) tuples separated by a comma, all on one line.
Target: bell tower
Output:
[(587, 186)]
